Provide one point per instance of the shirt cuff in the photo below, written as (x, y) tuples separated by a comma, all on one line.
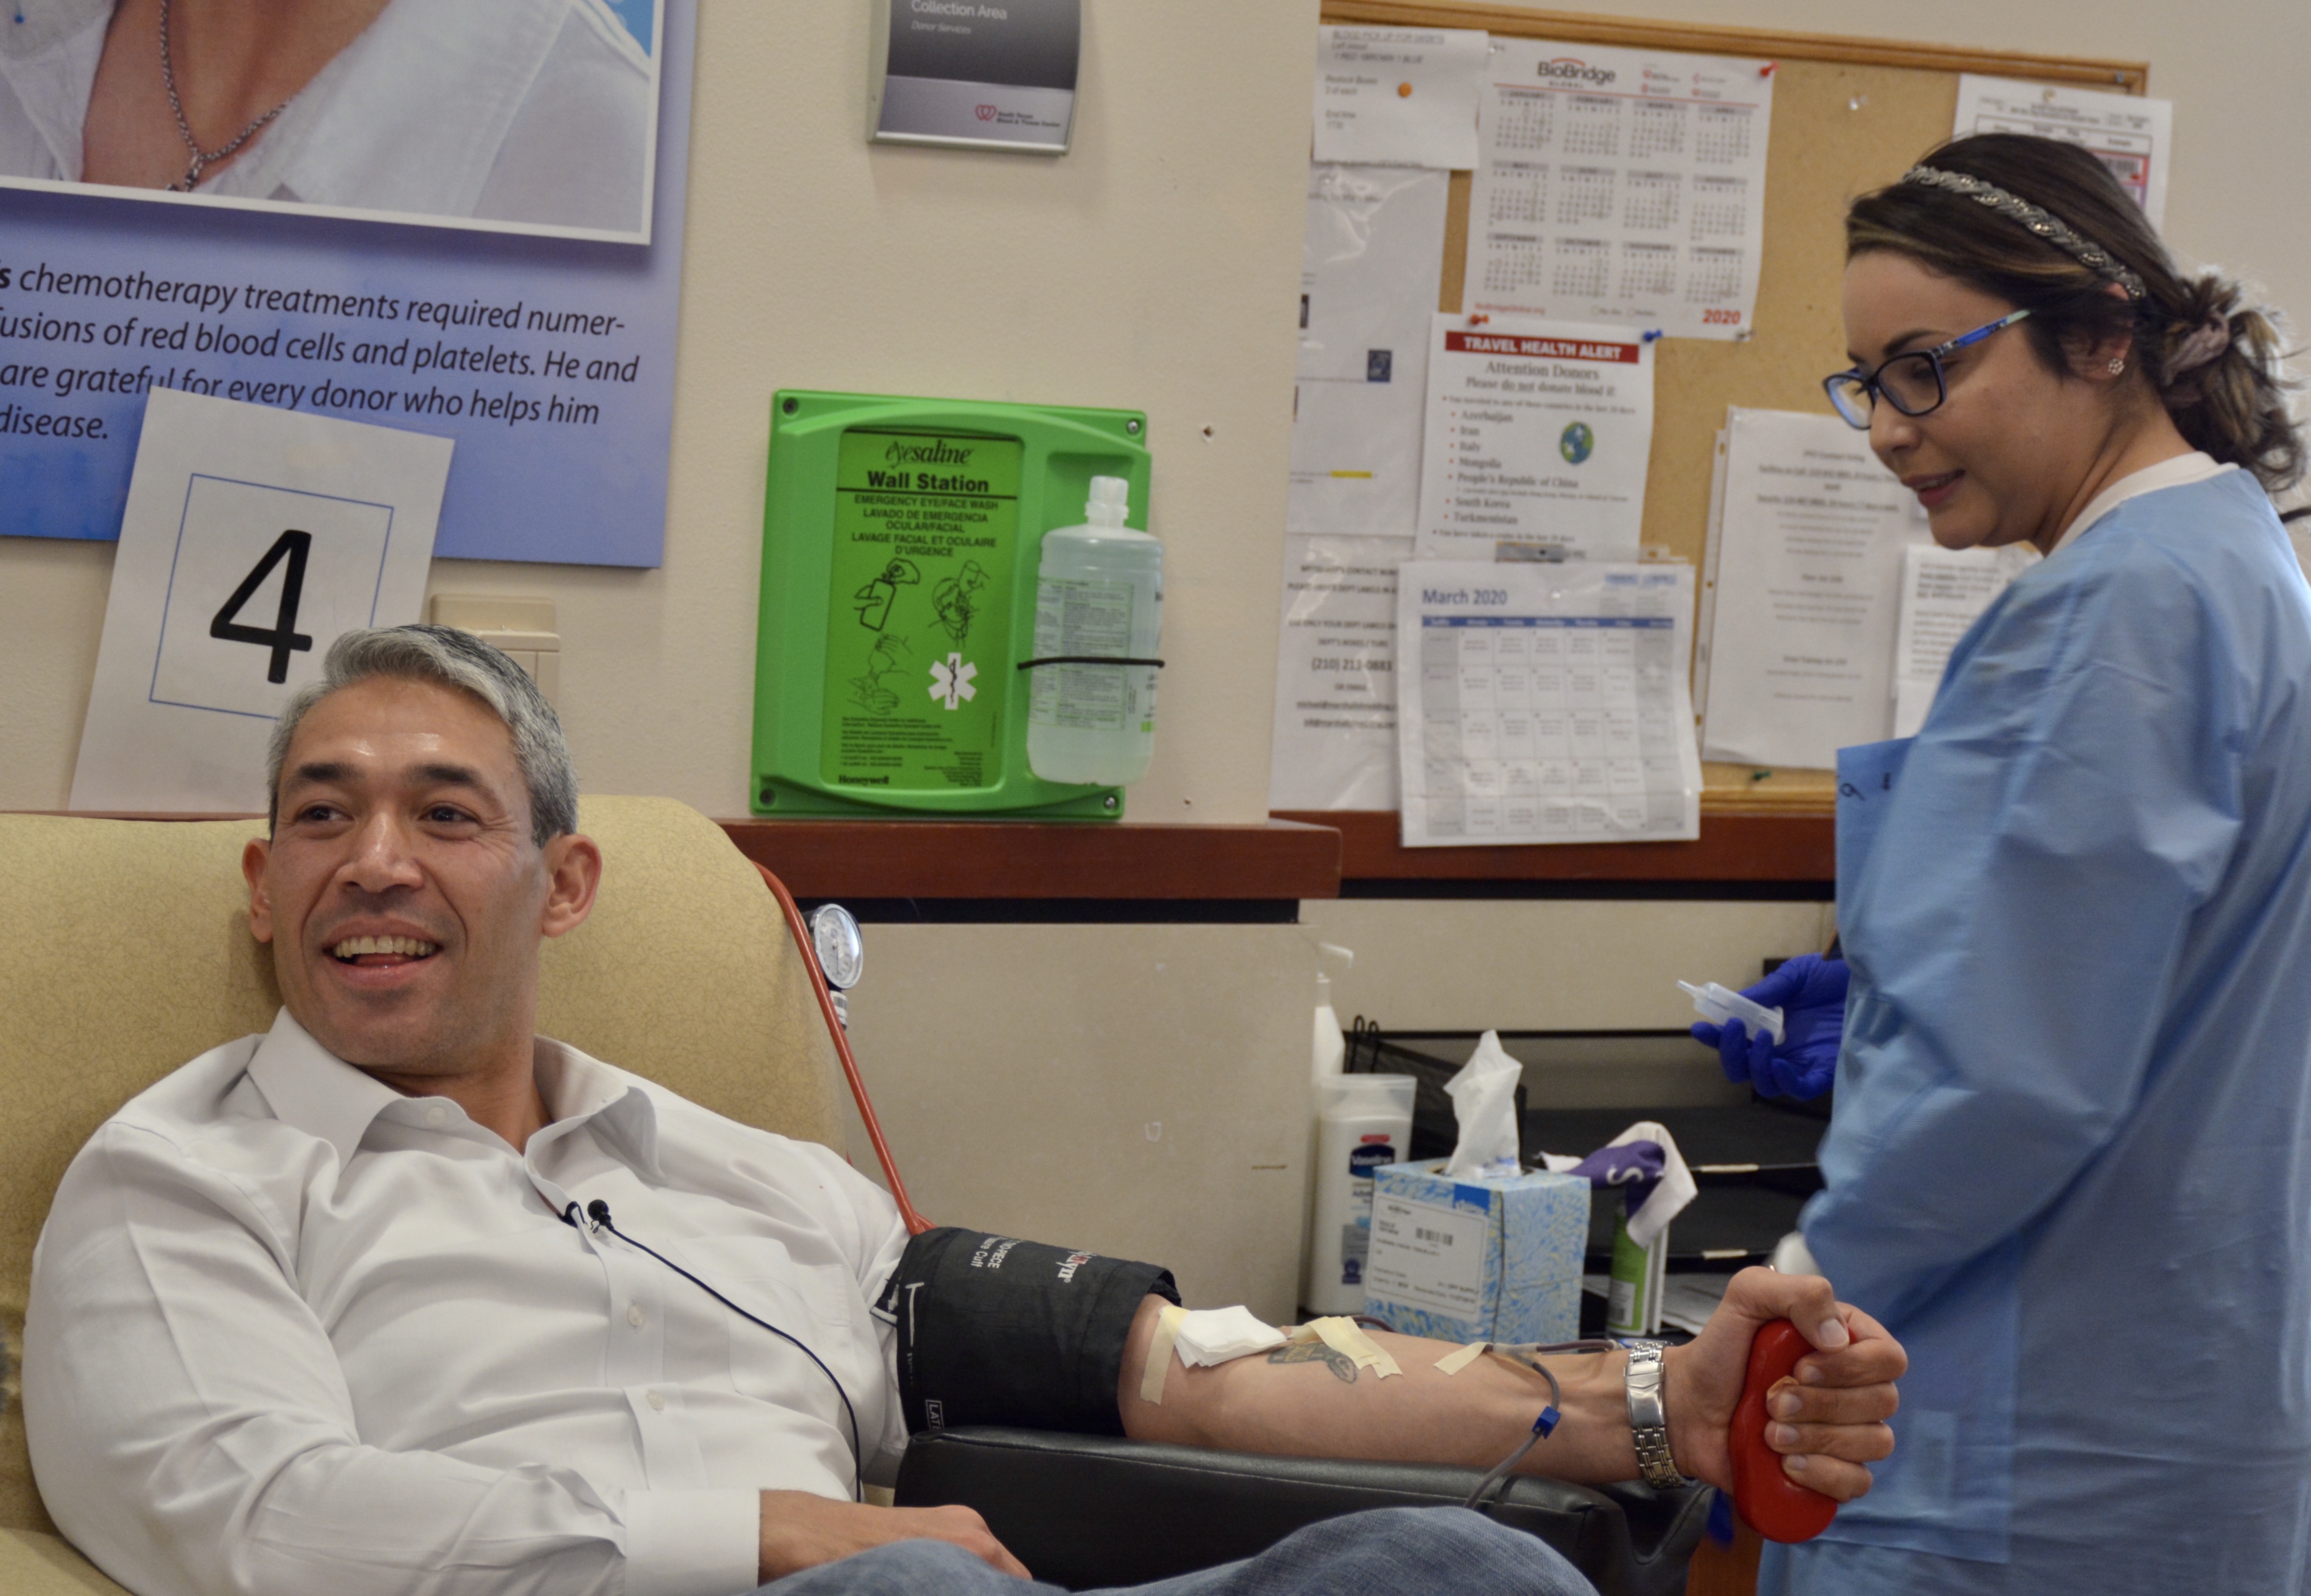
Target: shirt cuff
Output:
[(693, 1543)]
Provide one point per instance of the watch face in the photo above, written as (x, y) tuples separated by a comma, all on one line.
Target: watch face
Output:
[(835, 938)]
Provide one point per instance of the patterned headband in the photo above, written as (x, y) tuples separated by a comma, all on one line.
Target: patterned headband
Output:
[(2045, 224)]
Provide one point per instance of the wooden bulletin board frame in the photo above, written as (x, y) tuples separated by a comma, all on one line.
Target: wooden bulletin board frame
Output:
[(1849, 114)]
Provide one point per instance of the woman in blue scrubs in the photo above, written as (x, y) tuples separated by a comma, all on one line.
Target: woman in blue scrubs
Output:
[(2070, 1165)]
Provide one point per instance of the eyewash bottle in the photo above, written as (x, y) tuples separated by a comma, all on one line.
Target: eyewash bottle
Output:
[(1099, 616)]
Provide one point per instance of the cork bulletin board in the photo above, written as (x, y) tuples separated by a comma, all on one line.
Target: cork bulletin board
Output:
[(1849, 114)]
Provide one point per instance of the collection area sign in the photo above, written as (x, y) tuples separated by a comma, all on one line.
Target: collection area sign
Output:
[(996, 74), (545, 353)]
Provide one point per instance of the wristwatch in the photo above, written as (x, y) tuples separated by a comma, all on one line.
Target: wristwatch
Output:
[(1648, 1425)]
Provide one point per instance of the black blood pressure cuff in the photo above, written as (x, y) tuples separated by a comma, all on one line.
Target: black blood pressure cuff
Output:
[(994, 1330)]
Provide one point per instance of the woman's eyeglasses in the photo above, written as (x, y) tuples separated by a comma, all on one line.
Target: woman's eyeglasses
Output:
[(1911, 383)]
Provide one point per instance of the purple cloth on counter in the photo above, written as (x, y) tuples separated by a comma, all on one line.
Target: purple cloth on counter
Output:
[(1635, 1165)]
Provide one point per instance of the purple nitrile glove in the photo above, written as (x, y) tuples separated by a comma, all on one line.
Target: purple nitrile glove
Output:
[(1810, 992)]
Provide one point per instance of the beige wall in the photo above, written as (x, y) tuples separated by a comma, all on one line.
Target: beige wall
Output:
[(1138, 1091), (1156, 267), (1153, 266), (1550, 966)]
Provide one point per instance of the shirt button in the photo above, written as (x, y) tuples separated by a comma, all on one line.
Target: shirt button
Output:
[(657, 1400), (437, 1116), (635, 1317)]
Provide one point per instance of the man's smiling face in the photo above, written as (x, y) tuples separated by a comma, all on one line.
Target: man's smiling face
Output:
[(402, 893)]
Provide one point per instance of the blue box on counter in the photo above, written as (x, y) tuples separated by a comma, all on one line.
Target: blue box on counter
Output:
[(1477, 1260)]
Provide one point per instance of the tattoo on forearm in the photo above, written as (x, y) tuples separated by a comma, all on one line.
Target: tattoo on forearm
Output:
[(1343, 1367)]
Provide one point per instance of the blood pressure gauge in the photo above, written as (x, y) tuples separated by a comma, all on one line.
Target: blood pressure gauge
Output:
[(841, 953)]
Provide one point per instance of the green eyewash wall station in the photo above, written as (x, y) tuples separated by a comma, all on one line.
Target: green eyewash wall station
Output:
[(900, 545)]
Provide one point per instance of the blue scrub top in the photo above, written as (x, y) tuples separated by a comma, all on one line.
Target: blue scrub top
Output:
[(2070, 1161)]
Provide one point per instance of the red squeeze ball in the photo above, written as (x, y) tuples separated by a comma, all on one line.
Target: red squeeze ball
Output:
[(1774, 1504)]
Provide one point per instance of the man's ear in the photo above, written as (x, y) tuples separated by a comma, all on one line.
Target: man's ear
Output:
[(573, 872), (253, 860)]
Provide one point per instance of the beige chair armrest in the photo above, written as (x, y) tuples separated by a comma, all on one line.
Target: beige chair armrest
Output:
[(35, 1565)]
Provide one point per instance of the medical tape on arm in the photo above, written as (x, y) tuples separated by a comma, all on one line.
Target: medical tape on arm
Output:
[(1159, 1352), (1343, 1336), (1453, 1363)]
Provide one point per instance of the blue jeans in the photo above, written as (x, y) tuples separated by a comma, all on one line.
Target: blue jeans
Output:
[(1391, 1551)]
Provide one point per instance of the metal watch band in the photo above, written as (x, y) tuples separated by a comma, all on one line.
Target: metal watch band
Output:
[(1648, 1425)]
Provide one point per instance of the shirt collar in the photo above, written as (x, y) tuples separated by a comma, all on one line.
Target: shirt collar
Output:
[(408, 116), (580, 1089), (312, 1089), (411, 116), (2179, 472), (48, 55)]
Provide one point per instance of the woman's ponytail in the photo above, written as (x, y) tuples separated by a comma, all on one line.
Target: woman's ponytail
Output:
[(2230, 399)]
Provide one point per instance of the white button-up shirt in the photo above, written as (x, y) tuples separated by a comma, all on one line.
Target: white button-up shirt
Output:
[(291, 1332), (535, 112)]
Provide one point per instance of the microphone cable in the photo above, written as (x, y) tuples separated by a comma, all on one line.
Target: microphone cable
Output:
[(597, 1218)]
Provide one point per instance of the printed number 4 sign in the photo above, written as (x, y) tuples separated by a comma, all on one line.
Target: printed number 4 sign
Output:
[(253, 539), (259, 572)]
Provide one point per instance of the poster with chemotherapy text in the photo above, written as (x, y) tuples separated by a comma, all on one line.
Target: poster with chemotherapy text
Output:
[(524, 304)]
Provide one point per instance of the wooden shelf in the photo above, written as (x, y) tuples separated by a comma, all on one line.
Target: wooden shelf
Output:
[(2127, 77), (1022, 860), (1733, 848), (1766, 836)]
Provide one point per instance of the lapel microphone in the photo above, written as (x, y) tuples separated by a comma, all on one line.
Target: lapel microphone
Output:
[(598, 1219)]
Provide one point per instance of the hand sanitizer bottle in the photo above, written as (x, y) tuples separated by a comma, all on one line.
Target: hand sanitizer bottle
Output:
[(1099, 595)]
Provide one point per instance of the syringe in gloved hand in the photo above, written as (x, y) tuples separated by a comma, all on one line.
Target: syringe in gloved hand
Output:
[(1718, 1004)]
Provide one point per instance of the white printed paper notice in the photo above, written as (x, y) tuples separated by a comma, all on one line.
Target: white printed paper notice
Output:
[(1808, 561), (1368, 280), (1398, 96), (253, 538), (1538, 434), (1546, 703), (1943, 592), (2129, 134), (1620, 185), (1335, 741), (1425, 1255)]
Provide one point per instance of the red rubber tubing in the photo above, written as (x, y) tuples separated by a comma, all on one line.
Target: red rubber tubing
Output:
[(1773, 1504), (915, 1223)]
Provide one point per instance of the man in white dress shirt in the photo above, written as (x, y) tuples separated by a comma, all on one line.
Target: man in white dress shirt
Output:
[(316, 1312)]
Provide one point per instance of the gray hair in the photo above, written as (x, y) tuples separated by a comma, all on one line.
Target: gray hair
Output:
[(455, 659)]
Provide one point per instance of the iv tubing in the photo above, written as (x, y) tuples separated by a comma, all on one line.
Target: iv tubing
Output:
[(1528, 1357)]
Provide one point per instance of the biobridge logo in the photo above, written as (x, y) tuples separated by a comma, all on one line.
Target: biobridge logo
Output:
[(1571, 69)]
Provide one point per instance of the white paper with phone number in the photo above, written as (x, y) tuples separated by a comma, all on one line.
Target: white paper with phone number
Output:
[(1546, 703)]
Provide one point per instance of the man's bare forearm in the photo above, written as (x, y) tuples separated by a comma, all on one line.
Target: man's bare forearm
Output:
[(1305, 1399)]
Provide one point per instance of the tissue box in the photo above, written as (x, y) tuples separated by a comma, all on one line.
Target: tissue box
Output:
[(1477, 1260)]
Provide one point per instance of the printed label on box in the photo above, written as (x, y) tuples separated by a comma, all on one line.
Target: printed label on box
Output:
[(1428, 1256)]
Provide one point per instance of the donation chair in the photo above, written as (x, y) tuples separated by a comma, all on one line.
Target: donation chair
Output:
[(126, 952)]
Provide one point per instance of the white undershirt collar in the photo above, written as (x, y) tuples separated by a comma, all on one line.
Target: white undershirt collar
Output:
[(2180, 472)]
